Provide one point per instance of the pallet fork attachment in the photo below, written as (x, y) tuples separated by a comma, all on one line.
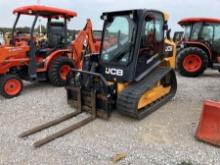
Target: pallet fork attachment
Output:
[(69, 129)]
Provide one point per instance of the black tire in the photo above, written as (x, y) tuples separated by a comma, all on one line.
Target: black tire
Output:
[(4, 79), (54, 69), (189, 51)]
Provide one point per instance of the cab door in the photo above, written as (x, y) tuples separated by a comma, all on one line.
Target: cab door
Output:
[(216, 40), (152, 42), (207, 34)]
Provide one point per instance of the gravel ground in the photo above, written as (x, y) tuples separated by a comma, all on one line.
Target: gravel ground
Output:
[(165, 137)]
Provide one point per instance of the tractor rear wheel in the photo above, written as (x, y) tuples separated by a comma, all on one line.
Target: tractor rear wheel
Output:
[(59, 69), (192, 62), (10, 86)]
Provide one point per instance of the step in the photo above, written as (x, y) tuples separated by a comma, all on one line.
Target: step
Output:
[(216, 66)]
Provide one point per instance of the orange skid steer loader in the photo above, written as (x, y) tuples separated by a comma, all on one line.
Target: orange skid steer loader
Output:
[(50, 59)]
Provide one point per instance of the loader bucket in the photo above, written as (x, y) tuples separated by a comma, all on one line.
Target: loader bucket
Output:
[(209, 127)]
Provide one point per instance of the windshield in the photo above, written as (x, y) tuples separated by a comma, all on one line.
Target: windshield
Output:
[(23, 25), (118, 34)]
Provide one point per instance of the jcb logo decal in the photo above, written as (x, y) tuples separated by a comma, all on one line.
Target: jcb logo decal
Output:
[(114, 72), (169, 49)]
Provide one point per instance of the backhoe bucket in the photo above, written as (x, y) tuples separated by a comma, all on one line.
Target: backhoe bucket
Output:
[(209, 127)]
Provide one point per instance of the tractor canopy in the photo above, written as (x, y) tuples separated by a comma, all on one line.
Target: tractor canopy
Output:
[(200, 29), (186, 21), (45, 11)]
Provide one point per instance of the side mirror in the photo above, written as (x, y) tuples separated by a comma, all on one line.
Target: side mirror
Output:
[(165, 26), (107, 18), (168, 34)]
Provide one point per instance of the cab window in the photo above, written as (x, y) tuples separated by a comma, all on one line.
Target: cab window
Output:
[(217, 33), (207, 33), (195, 31), (154, 29), (216, 39), (152, 35), (187, 31)]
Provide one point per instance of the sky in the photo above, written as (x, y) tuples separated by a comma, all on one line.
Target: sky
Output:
[(93, 9)]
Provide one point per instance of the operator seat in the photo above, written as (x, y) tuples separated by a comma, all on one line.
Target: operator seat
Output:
[(147, 45), (56, 36), (147, 50)]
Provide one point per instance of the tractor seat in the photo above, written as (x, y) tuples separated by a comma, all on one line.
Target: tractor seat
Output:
[(55, 40), (45, 51)]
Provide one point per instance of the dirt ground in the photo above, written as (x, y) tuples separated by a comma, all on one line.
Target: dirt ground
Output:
[(164, 137)]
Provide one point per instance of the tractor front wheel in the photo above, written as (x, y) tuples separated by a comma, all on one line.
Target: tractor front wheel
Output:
[(59, 69), (10, 86), (192, 62)]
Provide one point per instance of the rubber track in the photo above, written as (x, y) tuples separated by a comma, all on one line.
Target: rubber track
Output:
[(128, 99)]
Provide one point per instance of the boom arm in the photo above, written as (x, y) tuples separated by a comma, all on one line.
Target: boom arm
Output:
[(83, 42)]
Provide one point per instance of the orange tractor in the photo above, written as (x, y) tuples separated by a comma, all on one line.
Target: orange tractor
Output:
[(50, 59), (200, 46)]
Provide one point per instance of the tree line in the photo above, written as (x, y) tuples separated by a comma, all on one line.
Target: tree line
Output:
[(27, 29)]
